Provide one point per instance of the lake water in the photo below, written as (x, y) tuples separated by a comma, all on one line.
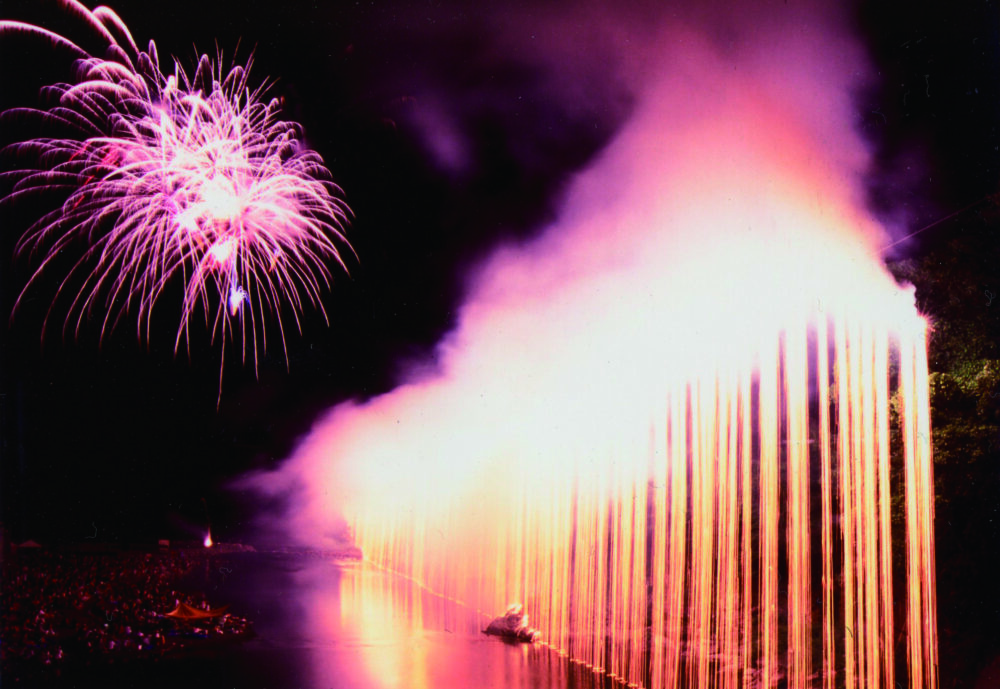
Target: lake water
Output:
[(322, 624)]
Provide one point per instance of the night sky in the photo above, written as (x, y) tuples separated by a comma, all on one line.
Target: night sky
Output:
[(451, 128)]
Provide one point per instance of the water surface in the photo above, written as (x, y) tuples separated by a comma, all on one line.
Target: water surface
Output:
[(325, 624)]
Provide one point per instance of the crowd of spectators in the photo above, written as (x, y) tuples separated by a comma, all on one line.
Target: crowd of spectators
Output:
[(61, 609)]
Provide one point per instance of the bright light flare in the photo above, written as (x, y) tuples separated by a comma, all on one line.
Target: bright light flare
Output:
[(696, 353), (208, 542), (237, 295), (222, 252), (177, 179)]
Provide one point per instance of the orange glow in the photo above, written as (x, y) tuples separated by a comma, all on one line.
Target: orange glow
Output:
[(208, 540), (640, 566), (664, 425)]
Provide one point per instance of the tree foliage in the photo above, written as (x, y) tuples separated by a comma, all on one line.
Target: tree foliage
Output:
[(957, 280)]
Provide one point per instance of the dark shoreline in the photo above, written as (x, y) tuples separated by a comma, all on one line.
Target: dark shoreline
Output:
[(64, 607)]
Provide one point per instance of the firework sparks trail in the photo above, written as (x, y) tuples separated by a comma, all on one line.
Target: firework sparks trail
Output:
[(675, 424), (171, 177)]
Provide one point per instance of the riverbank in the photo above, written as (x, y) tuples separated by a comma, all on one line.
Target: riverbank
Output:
[(67, 610)]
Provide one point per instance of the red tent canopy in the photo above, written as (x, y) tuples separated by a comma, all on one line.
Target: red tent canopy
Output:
[(185, 612)]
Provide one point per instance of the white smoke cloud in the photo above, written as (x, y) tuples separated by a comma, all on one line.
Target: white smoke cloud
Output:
[(729, 203)]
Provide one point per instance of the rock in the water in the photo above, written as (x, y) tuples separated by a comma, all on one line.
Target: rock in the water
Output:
[(513, 625)]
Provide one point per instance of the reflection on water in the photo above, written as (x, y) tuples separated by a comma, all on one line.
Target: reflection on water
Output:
[(370, 628), (322, 624)]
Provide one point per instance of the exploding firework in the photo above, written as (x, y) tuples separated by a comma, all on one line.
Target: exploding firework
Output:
[(176, 179)]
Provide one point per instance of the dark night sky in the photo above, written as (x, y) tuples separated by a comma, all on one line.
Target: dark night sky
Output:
[(449, 130)]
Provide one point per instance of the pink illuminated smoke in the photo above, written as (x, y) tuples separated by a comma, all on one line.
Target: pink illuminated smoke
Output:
[(177, 179), (726, 208)]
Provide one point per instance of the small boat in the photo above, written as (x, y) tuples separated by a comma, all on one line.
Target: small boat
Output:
[(512, 625)]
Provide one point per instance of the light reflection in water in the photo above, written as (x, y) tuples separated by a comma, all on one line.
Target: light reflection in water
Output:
[(627, 558), (372, 628)]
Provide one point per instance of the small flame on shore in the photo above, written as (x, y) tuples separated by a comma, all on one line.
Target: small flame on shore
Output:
[(208, 540)]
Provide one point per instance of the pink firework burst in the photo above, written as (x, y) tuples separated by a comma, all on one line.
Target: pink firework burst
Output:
[(174, 178)]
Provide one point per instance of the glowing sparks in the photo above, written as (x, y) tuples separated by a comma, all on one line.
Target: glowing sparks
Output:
[(685, 477), (178, 179), (634, 568), (237, 295), (222, 252), (664, 425)]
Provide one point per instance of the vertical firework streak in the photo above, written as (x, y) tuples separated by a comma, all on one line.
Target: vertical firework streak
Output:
[(828, 658), (769, 511), (663, 565), (176, 179), (798, 523)]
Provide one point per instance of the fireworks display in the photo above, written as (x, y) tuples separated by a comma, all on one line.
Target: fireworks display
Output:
[(628, 355), (666, 425), (174, 179)]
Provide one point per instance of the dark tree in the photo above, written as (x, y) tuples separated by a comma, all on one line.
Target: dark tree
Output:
[(957, 280)]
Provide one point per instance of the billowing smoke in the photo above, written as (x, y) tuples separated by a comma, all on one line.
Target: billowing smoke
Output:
[(727, 204)]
